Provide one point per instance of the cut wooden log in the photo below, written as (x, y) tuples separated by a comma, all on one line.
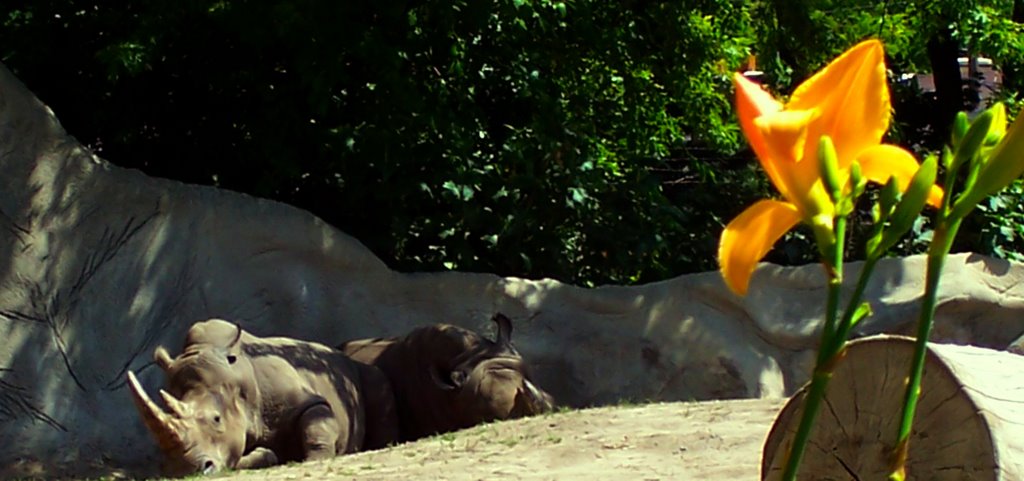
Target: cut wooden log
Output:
[(969, 422)]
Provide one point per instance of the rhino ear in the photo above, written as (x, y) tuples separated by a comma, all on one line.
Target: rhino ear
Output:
[(238, 337), (504, 329), (235, 346), (162, 358)]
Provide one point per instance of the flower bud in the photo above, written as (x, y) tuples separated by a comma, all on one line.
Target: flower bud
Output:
[(1005, 164), (960, 125), (910, 205), (857, 180), (828, 166), (998, 128), (889, 196), (968, 148)]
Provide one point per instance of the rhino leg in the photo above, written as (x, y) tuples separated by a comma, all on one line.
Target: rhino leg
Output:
[(380, 413), (322, 435), (258, 458), (1017, 347)]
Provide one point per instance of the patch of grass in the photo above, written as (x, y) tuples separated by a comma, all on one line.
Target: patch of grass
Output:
[(471, 444), (123, 478), (554, 439), (627, 403), (516, 439), (447, 437), (558, 410), (632, 402), (488, 429), (345, 471)]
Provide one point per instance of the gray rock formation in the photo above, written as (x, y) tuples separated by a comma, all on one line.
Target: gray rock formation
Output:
[(99, 265)]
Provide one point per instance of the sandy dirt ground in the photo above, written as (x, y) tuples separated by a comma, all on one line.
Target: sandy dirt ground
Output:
[(714, 441)]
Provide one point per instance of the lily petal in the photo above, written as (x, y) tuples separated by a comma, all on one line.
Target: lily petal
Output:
[(853, 96), (798, 179), (880, 162), (785, 135), (749, 236), (752, 102)]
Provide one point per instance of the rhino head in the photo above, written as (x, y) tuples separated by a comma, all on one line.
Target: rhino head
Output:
[(212, 402), (491, 381)]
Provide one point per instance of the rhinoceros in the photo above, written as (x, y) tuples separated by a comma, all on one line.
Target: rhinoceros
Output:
[(240, 401), (447, 378)]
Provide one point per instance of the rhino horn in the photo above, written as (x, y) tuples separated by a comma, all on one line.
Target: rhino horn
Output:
[(540, 401), (504, 329), (178, 408), (158, 422)]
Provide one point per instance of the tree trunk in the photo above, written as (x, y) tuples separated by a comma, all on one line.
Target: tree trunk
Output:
[(793, 33), (943, 51), (969, 423)]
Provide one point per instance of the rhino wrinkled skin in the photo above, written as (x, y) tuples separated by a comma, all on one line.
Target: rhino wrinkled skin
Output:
[(239, 401), (447, 378)]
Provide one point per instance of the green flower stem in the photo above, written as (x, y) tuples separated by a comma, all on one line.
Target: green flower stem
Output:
[(835, 284), (846, 325), (834, 267), (812, 403), (826, 357), (937, 252)]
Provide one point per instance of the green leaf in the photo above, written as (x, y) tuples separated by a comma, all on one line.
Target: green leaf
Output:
[(863, 310)]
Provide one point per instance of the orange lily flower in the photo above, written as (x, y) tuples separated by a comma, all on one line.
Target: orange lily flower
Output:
[(848, 100)]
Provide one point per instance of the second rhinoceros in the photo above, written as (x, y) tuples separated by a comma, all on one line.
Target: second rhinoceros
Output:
[(447, 378), (240, 401)]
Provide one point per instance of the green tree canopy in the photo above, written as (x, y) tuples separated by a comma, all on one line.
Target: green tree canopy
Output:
[(587, 141)]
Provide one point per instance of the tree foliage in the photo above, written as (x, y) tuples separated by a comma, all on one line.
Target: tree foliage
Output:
[(512, 136), (587, 141)]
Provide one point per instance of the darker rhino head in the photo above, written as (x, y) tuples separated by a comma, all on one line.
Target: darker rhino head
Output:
[(211, 397), (490, 381)]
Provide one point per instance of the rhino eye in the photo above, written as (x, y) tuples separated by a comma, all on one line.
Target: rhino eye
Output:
[(232, 358), (216, 419)]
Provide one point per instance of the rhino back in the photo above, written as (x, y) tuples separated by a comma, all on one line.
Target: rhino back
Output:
[(295, 375)]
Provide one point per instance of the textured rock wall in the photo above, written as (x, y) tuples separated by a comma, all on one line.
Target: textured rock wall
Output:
[(99, 265)]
